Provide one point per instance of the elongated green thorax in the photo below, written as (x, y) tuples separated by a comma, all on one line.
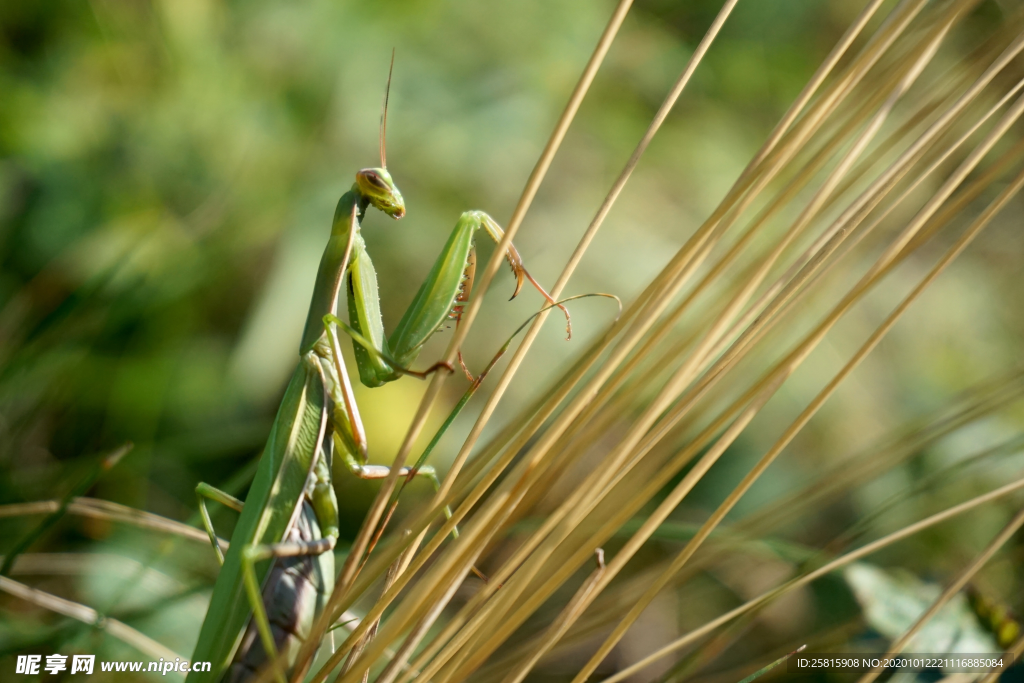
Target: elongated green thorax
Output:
[(329, 276)]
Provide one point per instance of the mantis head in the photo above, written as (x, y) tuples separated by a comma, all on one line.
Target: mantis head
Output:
[(377, 186)]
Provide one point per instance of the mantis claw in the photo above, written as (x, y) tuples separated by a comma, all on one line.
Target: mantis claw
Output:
[(521, 273), (518, 272)]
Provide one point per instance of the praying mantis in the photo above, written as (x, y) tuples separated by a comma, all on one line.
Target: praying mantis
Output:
[(279, 567)]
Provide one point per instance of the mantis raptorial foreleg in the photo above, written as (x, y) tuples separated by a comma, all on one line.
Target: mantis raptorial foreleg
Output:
[(441, 297)]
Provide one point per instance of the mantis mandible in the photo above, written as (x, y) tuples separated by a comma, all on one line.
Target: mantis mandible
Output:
[(280, 566)]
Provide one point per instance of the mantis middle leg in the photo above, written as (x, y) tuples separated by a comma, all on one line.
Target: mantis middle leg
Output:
[(206, 492)]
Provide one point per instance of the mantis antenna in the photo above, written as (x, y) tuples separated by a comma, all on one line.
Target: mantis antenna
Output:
[(384, 115)]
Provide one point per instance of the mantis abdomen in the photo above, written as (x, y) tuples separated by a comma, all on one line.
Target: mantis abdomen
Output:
[(293, 595)]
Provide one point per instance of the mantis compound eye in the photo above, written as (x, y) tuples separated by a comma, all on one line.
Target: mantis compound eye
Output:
[(376, 180)]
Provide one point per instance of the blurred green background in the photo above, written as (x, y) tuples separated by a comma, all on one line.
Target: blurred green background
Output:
[(168, 172)]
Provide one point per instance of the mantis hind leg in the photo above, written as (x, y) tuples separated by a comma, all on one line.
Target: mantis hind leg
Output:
[(203, 492)]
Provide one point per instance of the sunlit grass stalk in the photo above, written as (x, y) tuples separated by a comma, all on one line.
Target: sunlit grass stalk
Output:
[(755, 472), (491, 616), (87, 615), (842, 561), (747, 531), (869, 465), (682, 378)]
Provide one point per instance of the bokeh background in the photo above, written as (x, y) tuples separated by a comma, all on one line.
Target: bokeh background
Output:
[(168, 172)]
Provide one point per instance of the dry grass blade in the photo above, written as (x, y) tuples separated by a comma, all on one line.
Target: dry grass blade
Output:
[(760, 395), (827, 568), (565, 620), (952, 589), (975, 406), (95, 508), (1015, 651), (694, 388), (879, 459), (87, 615), (757, 470)]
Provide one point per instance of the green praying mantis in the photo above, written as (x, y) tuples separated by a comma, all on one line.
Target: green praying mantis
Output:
[(279, 567)]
